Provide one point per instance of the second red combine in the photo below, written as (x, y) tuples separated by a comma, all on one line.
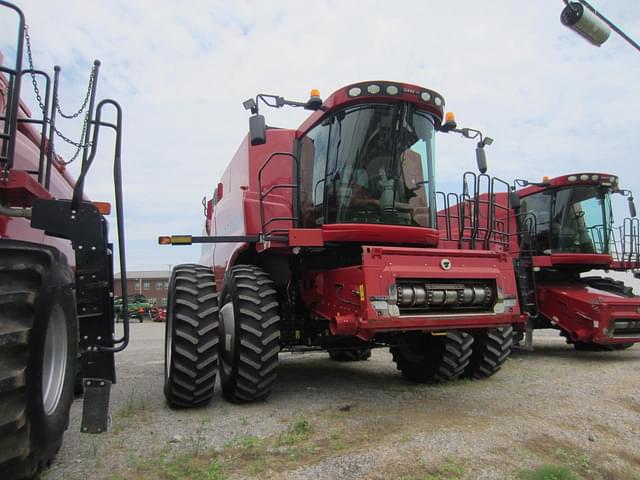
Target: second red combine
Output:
[(325, 237)]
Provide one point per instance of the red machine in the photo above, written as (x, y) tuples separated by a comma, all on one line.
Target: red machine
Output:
[(56, 278), (325, 237), (567, 229)]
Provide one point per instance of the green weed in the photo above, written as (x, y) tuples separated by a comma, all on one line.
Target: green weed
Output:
[(548, 472)]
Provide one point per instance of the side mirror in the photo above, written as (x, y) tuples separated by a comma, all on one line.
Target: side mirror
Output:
[(514, 200), (632, 208), (481, 159), (257, 130)]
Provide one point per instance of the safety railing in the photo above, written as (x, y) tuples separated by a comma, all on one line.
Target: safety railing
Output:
[(478, 218), (277, 234)]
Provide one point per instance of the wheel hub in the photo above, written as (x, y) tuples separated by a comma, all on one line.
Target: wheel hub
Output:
[(54, 360), (227, 316)]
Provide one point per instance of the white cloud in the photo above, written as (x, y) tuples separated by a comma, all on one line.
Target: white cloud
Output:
[(553, 103)]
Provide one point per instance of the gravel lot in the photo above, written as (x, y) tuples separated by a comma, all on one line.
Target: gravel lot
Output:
[(328, 420)]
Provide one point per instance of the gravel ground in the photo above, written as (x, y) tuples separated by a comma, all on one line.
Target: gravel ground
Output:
[(363, 420)]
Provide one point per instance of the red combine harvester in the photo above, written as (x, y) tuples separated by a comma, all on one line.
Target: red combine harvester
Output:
[(56, 278), (567, 229), (325, 237)]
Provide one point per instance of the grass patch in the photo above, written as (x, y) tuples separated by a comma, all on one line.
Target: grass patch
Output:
[(135, 408), (548, 472), (184, 465), (307, 440), (298, 431), (421, 469)]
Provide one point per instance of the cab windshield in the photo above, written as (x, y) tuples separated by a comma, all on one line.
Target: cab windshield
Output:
[(572, 220), (369, 164)]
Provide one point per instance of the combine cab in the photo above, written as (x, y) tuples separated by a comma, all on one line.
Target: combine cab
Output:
[(56, 279), (325, 238), (567, 229)]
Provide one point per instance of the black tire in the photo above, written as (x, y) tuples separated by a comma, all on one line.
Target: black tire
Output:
[(191, 337), (622, 346), (490, 350), (38, 356), (350, 355), (427, 358), (608, 284), (249, 333)]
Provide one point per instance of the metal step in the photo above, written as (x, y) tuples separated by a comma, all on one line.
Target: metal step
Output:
[(95, 409)]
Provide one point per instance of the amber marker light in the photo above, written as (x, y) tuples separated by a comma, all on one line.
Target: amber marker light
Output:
[(164, 240), (103, 207), (314, 92), (449, 122)]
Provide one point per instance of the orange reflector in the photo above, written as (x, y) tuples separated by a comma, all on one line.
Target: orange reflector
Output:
[(449, 117), (103, 207), (545, 178), (164, 240), (314, 92)]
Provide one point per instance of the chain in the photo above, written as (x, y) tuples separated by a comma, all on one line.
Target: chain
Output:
[(32, 70), (79, 145), (92, 77)]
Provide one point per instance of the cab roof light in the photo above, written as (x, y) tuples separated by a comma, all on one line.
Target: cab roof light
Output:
[(314, 102), (449, 122)]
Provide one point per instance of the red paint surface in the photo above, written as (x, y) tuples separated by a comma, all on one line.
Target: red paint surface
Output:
[(575, 307)]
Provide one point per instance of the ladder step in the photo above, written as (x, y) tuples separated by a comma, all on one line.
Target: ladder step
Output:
[(95, 411)]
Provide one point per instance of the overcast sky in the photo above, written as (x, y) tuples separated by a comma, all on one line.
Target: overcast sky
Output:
[(553, 103)]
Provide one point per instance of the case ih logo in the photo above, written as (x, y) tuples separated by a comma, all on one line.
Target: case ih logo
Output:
[(445, 264)]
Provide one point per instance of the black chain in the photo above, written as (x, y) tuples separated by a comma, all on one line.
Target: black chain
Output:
[(79, 145)]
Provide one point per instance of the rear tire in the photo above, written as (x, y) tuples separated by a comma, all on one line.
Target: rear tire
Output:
[(191, 337), (38, 356), (351, 355), (249, 333), (429, 358), (490, 350)]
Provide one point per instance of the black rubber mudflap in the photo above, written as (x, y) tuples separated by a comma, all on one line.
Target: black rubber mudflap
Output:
[(95, 409)]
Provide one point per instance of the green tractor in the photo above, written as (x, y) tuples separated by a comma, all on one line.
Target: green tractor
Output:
[(138, 307)]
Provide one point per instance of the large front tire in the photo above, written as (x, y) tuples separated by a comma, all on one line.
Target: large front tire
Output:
[(191, 337), (428, 358), (38, 356), (490, 350), (249, 333)]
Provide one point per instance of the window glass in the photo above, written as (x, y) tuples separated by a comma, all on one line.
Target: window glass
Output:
[(371, 164)]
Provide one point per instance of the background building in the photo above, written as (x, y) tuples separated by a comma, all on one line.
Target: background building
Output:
[(152, 284)]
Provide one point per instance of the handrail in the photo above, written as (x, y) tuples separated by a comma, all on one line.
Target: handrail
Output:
[(293, 186)]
